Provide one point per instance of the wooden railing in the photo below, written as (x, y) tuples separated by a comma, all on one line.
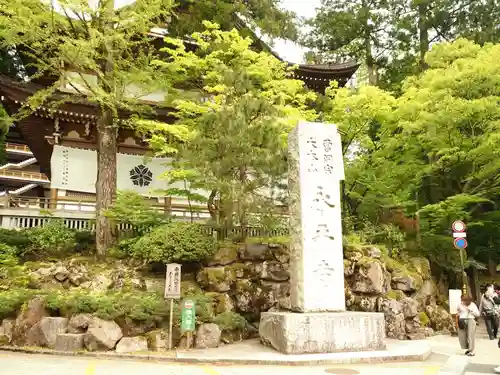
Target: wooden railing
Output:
[(17, 147), (29, 176), (88, 205)]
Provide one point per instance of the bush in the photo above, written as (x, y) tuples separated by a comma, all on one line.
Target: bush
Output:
[(84, 240), (138, 306), (229, 321), (175, 242), (12, 300), (53, 238), (131, 208), (15, 238)]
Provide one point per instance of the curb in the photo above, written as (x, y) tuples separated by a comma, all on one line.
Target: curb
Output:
[(455, 365), (175, 358)]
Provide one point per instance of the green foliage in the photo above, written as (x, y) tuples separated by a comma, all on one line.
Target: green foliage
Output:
[(53, 238), (175, 242), (424, 319), (137, 306), (238, 117), (131, 208), (432, 151), (15, 238), (11, 301), (228, 321)]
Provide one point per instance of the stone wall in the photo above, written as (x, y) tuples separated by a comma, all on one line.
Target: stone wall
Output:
[(253, 278), (246, 279)]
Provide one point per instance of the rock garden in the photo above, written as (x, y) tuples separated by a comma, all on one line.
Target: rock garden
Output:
[(56, 294)]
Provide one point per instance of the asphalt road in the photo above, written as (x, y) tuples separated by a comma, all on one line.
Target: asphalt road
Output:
[(34, 364)]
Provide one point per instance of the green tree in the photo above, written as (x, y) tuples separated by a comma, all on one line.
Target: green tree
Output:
[(435, 148), (354, 29), (247, 104), (111, 46)]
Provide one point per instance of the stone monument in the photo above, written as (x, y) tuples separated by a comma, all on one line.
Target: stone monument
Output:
[(318, 322)]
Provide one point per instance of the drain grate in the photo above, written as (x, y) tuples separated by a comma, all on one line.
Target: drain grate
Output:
[(341, 371)]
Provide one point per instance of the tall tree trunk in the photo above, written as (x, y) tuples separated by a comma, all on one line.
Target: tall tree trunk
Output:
[(370, 61), (423, 32), (106, 180), (107, 148)]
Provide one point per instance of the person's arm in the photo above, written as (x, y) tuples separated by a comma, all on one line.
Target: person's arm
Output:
[(481, 306), (496, 300), (474, 310)]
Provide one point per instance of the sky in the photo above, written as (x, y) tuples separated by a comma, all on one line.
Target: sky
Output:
[(286, 50)]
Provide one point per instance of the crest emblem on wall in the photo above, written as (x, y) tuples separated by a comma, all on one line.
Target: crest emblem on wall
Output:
[(141, 175)]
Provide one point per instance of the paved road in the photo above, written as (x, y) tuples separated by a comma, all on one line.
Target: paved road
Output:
[(31, 364)]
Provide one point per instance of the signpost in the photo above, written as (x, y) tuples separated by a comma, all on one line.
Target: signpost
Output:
[(188, 319), (460, 243), (172, 291)]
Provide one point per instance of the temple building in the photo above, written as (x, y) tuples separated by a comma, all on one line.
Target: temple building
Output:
[(51, 160)]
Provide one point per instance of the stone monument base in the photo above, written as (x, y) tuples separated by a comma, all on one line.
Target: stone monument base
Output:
[(301, 333)]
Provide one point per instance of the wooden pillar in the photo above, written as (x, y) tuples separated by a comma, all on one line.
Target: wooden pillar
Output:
[(53, 198)]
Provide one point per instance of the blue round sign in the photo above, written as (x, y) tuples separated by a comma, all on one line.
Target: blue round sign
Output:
[(460, 243)]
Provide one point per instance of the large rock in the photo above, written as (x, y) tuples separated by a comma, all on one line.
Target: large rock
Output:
[(394, 318), (61, 273), (132, 345), (216, 279), (371, 278), (79, 323), (405, 283), (69, 342), (222, 302), (131, 327), (157, 340), (50, 327), (362, 303), (26, 330), (208, 335), (252, 297), (277, 294), (102, 334), (255, 251), (272, 271), (440, 319), (224, 256), (301, 333), (7, 328), (410, 307)]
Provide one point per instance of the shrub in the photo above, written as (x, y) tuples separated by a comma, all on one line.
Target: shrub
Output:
[(84, 240), (53, 238), (11, 273), (175, 242), (15, 238), (138, 306), (131, 208), (12, 300), (229, 321)]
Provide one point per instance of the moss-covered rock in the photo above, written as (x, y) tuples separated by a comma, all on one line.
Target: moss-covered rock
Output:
[(223, 256), (398, 295), (421, 266), (243, 270), (440, 319), (190, 288), (370, 277), (222, 302), (216, 279), (272, 271), (424, 319), (252, 298)]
